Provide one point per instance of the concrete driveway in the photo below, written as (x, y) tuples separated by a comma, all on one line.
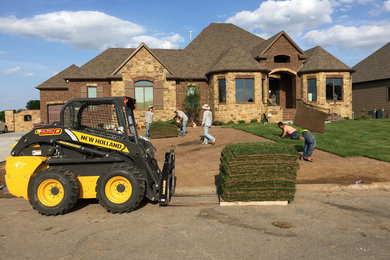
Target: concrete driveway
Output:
[(324, 225), (6, 142)]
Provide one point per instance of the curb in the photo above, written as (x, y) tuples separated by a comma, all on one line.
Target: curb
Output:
[(337, 187), (212, 190)]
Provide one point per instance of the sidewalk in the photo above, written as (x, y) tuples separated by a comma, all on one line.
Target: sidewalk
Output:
[(6, 142)]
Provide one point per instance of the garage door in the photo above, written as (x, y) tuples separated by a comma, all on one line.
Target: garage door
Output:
[(54, 112)]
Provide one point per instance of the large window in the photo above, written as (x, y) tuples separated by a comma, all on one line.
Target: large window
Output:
[(92, 92), (244, 91), (263, 94), (334, 88), (143, 94), (312, 89), (222, 90)]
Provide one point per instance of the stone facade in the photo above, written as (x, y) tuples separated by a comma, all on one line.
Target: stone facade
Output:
[(52, 97), (144, 66), (22, 121), (342, 107), (231, 110)]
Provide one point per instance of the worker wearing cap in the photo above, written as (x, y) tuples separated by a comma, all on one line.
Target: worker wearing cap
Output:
[(183, 119), (207, 122), (148, 120)]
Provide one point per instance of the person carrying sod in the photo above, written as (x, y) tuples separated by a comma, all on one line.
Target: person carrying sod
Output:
[(183, 119), (207, 122), (288, 131)]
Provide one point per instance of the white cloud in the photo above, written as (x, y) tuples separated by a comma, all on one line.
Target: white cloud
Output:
[(11, 70), (386, 5), (29, 74), (83, 29), (293, 16), (349, 37), (2, 52)]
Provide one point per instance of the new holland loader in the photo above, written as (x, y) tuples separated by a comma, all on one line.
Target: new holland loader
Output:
[(93, 152)]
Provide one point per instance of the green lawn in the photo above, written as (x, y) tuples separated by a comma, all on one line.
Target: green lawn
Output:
[(369, 138)]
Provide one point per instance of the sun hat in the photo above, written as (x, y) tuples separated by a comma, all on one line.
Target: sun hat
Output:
[(205, 106)]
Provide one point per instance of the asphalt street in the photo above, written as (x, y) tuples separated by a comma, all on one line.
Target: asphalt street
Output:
[(6, 142), (352, 224)]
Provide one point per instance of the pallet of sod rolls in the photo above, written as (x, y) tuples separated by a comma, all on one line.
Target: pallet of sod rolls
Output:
[(258, 172)]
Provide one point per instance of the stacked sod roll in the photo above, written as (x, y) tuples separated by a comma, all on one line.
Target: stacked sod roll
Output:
[(258, 172), (161, 129)]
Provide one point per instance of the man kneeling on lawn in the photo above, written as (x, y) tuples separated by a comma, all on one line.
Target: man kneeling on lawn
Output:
[(288, 131)]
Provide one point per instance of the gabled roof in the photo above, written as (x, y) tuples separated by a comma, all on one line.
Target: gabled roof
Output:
[(204, 50), (102, 65), (263, 47), (142, 45), (58, 80), (374, 67), (235, 59), (321, 60)]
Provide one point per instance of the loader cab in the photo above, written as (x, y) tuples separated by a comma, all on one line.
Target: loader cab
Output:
[(113, 117)]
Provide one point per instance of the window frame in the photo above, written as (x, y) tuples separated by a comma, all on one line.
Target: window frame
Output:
[(333, 78), (253, 89), (143, 84), (92, 87), (388, 94), (316, 88), (219, 90), (281, 58)]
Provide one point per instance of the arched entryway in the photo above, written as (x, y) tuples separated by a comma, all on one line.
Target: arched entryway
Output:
[(283, 90), (282, 83)]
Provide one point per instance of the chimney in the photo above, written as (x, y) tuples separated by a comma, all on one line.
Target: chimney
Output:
[(190, 36)]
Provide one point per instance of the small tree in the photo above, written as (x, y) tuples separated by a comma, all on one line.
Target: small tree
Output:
[(192, 102), (33, 105), (2, 116)]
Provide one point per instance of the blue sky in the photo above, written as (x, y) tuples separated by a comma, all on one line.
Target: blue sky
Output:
[(40, 38)]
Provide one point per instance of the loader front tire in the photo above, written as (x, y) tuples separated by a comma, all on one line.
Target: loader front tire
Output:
[(53, 191), (121, 189)]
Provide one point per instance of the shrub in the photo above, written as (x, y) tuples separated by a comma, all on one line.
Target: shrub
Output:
[(240, 122), (219, 123), (254, 121), (231, 122)]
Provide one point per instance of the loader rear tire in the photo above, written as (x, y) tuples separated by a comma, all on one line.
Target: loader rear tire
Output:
[(53, 191), (121, 189)]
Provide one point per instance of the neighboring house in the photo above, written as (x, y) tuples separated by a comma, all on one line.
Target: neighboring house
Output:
[(371, 84), (240, 75), (22, 121)]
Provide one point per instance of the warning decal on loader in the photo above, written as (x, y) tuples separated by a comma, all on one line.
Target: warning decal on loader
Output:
[(98, 141)]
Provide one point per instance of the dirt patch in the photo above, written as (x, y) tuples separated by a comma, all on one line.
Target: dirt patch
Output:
[(198, 165)]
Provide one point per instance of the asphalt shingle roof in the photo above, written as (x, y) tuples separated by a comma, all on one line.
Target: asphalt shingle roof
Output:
[(219, 47), (374, 67), (319, 59), (58, 80), (235, 59)]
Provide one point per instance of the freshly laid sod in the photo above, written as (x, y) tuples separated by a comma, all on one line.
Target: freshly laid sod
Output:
[(369, 138), (161, 129)]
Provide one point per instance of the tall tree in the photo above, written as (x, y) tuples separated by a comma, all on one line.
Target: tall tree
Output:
[(33, 105)]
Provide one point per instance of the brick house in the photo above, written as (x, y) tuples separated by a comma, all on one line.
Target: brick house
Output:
[(240, 75), (371, 84)]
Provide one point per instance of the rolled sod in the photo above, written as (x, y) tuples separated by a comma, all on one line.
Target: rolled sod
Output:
[(258, 172)]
